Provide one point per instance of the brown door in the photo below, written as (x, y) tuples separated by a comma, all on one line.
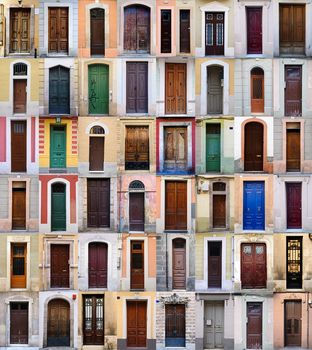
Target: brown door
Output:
[(214, 90), (254, 325), (185, 30), (175, 149), (96, 153), (97, 265), (165, 40), (178, 263), (18, 208), (137, 87), (176, 205), (58, 30), (93, 319), (175, 326), (293, 198), (293, 91), (253, 147), (214, 264), (175, 89), (293, 318), (18, 323), (136, 323), (59, 266), (136, 211), (18, 265), (257, 90), (58, 328), (19, 30), (254, 30), (137, 265), (293, 150), (20, 96), (292, 29), (18, 146), (219, 211), (214, 33), (98, 202), (97, 35), (253, 265), (137, 148)]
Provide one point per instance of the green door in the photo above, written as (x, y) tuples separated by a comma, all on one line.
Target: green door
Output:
[(58, 207), (213, 147), (58, 147), (98, 89)]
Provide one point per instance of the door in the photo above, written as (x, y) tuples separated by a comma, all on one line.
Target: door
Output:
[(293, 154), (178, 263), (59, 90), (213, 147), (214, 33), (136, 211), (18, 208), (293, 91), (137, 265), (20, 95), (293, 198), (175, 325), (253, 206), (97, 35), (137, 87), (294, 262), (137, 148), (175, 89), (18, 323), (97, 265), (253, 147), (18, 265), (185, 31), (58, 30), (19, 30), (136, 323), (254, 30), (96, 153), (98, 202), (219, 211), (257, 90), (59, 266), (293, 318), (176, 149), (98, 88), (58, 207), (214, 325), (93, 319), (254, 325), (58, 328), (214, 90), (165, 40), (176, 205), (57, 146), (214, 264), (18, 146)]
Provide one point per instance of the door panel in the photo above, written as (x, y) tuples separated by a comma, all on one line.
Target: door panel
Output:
[(294, 263), (213, 325), (185, 30), (175, 89), (175, 325), (18, 146), (98, 202), (97, 265), (136, 323), (253, 206), (214, 33), (178, 264), (136, 211), (219, 211), (176, 205), (58, 328), (137, 87), (176, 149), (293, 197), (59, 266), (137, 148), (293, 156), (58, 207), (93, 320), (293, 316), (293, 91), (253, 147), (257, 90), (213, 147), (96, 153), (18, 265), (165, 41), (254, 326), (254, 30), (18, 209), (98, 88), (20, 95), (59, 90), (214, 264), (97, 35), (58, 147), (18, 323), (214, 90), (137, 265), (58, 30), (19, 30)]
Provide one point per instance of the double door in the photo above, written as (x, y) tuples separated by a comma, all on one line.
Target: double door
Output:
[(98, 202), (175, 325), (18, 323), (176, 205), (137, 87), (93, 320), (214, 33), (136, 323), (176, 149), (58, 30), (58, 328), (175, 89), (19, 30), (214, 325), (253, 205)]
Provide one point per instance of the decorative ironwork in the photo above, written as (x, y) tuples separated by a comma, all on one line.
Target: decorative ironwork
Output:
[(20, 69), (136, 185), (174, 299), (97, 130)]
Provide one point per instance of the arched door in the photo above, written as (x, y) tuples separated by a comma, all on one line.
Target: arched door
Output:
[(58, 207), (214, 90), (253, 147), (58, 328), (178, 263)]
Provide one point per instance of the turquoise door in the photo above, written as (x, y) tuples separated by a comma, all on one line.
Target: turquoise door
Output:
[(213, 156), (98, 89), (58, 207), (58, 146)]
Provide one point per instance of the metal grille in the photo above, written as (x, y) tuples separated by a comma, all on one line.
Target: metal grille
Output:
[(97, 130), (218, 186), (136, 185), (20, 69), (294, 255)]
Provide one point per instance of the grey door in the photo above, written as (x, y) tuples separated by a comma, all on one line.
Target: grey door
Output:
[(213, 325), (214, 90)]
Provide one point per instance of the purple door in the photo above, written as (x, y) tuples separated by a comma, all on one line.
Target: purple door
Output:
[(254, 30)]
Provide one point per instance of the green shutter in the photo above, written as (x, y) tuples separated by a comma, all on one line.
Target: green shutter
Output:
[(98, 89), (58, 147)]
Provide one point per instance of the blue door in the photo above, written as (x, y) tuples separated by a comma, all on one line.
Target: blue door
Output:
[(253, 215)]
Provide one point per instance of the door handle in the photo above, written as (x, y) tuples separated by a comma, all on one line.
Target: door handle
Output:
[(64, 270)]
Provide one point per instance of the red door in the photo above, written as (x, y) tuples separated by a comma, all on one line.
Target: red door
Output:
[(254, 325), (176, 205), (59, 265), (97, 265), (293, 197), (178, 263), (254, 30), (136, 323)]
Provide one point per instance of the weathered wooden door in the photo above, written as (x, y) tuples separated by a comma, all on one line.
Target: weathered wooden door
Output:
[(253, 265), (293, 199), (214, 33), (292, 29), (97, 265), (58, 207), (18, 208), (175, 89), (98, 202), (137, 87), (18, 323), (58, 30), (136, 323), (59, 266), (175, 325), (19, 30), (58, 146), (176, 148), (293, 91), (185, 31), (59, 90), (18, 146), (18, 265), (214, 90), (137, 265), (253, 147), (294, 263), (93, 319), (253, 206), (136, 211), (96, 153), (257, 90), (213, 145), (219, 211), (97, 32), (20, 95), (137, 148), (293, 320), (293, 152), (254, 30), (254, 325), (98, 88), (58, 328), (214, 264), (176, 205), (178, 263), (165, 35), (214, 325)]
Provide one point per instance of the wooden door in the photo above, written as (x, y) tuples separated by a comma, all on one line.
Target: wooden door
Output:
[(20, 95), (185, 31), (97, 32), (214, 90), (176, 149), (214, 325), (253, 147), (96, 153), (98, 202), (137, 265), (93, 319), (18, 208), (254, 325), (58, 30), (253, 206), (18, 323), (175, 89), (59, 266), (137, 87), (254, 30), (137, 148), (97, 265), (178, 263), (20, 30), (58, 328), (219, 211), (253, 265), (57, 146), (59, 102), (58, 207), (176, 205), (98, 88), (293, 153), (213, 147), (136, 323), (136, 211), (293, 198), (214, 33), (257, 90), (292, 29), (18, 146), (293, 91), (18, 265), (294, 263), (175, 325), (293, 317), (214, 264), (165, 34)]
